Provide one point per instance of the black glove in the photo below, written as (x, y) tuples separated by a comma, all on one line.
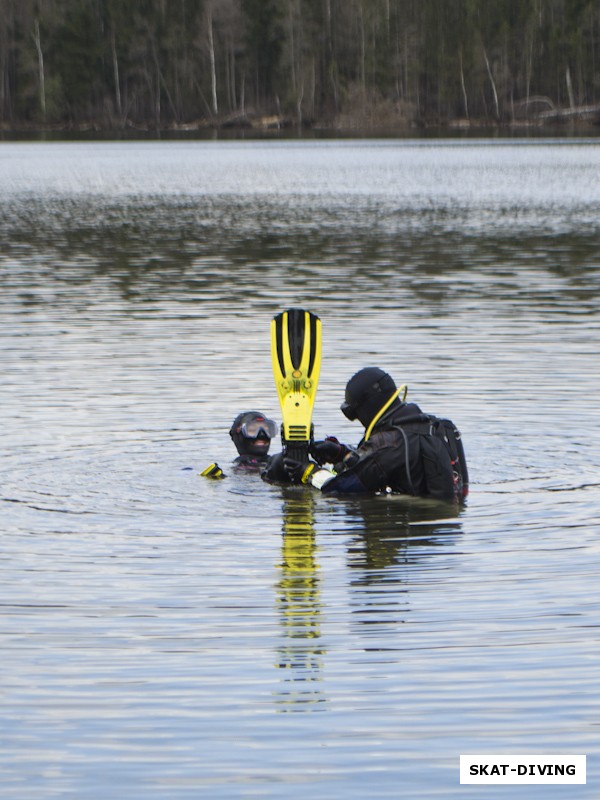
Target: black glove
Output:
[(295, 469), (329, 451), (275, 470)]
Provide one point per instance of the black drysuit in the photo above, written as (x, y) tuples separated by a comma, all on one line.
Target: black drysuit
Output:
[(408, 452)]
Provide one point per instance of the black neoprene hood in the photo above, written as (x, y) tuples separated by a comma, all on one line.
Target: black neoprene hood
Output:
[(244, 445), (366, 392)]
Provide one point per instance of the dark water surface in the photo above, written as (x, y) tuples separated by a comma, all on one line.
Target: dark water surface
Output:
[(164, 636)]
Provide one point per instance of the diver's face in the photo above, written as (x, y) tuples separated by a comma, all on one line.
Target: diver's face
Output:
[(258, 447)]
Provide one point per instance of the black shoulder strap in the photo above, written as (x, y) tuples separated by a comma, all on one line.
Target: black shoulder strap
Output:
[(407, 460)]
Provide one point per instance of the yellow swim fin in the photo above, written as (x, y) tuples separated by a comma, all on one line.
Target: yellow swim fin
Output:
[(296, 357)]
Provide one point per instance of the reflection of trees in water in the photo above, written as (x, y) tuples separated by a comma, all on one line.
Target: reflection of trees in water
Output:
[(299, 606), (185, 247)]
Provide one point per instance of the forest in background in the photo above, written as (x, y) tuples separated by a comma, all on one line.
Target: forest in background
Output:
[(158, 64)]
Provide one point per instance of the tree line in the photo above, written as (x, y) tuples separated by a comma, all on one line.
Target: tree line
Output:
[(161, 63)]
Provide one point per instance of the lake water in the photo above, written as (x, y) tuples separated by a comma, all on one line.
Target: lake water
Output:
[(165, 636)]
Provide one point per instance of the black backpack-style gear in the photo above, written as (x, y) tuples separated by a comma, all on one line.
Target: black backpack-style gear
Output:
[(435, 444)]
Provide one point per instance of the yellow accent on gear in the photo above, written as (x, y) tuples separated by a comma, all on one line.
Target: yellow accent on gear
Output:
[(212, 471), (384, 408)]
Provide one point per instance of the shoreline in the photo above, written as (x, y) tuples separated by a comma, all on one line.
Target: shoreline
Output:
[(283, 128)]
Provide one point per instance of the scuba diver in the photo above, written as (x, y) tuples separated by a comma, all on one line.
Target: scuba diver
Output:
[(251, 433), (403, 450)]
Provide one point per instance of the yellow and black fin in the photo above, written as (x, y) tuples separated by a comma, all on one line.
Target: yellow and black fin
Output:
[(296, 356)]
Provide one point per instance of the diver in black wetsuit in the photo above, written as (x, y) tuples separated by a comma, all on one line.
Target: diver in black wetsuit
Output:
[(403, 450), (251, 433)]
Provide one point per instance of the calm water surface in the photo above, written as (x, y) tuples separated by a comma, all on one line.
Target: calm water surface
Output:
[(164, 636)]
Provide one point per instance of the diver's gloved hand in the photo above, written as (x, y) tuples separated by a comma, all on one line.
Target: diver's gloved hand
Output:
[(296, 470), (329, 451), (275, 470)]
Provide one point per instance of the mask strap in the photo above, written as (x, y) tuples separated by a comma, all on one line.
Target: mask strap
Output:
[(384, 408)]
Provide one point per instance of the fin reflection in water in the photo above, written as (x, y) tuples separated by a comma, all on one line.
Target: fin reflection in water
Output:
[(301, 652)]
